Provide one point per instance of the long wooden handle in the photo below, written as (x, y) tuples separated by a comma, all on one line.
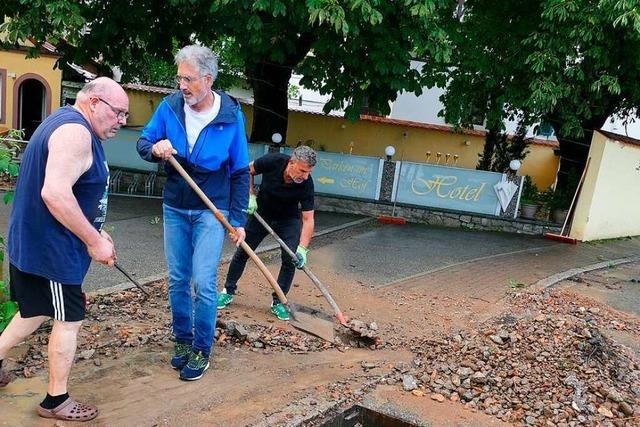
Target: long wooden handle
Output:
[(314, 279), (575, 195), (229, 227)]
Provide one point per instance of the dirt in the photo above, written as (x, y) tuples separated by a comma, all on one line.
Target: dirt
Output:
[(276, 376)]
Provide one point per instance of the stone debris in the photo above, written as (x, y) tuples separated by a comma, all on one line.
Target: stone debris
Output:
[(548, 365), (125, 320)]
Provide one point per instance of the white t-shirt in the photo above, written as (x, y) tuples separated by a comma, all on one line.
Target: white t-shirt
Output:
[(195, 121)]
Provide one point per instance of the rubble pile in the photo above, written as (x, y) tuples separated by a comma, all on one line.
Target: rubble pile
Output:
[(551, 365), (124, 320), (256, 336)]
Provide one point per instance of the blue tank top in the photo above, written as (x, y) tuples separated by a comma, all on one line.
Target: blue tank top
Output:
[(37, 242)]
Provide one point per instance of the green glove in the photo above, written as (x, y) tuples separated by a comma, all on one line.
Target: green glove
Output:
[(253, 204), (301, 254)]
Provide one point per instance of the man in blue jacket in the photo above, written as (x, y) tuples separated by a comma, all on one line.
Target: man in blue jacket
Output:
[(204, 130)]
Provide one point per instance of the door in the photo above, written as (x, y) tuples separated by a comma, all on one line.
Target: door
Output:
[(31, 105)]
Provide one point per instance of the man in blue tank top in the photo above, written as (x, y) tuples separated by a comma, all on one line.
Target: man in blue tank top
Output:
[(55, 230)]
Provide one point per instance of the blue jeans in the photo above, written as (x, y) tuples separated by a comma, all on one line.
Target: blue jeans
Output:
[(193, 242)]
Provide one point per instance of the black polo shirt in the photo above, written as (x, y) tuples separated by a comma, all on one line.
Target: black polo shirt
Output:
[(278, 200)]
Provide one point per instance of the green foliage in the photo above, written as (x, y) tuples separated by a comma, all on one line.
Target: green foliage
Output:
[(566, 61), (560, 198), (499, 149), (530, 193), (358, 51), (8, 308), (8, 172)]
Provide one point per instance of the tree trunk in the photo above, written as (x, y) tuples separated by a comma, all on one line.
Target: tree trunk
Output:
[(574, 151), (484, 162), (270, 84)]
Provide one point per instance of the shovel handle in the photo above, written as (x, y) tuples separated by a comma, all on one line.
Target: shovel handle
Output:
[(272, 281), (314, 279)]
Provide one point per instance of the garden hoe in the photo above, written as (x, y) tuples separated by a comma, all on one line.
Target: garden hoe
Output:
[(337, 312), (305, 319), (134, 281)]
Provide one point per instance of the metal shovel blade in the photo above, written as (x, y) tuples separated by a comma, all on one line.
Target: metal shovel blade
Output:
[(312, 321)]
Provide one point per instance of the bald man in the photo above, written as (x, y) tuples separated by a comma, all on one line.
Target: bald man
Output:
[(55, 230)]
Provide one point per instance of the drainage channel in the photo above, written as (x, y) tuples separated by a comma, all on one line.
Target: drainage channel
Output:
[(359, 416)]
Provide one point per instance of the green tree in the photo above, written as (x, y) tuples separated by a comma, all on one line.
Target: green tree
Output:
[(500, 149), (358, 51), (568, 63), (8, 173)]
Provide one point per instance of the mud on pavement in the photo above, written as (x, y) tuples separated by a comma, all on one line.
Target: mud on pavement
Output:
[(537, 357)]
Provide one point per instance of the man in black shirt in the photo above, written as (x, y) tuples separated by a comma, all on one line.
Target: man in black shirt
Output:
[(286, 195)]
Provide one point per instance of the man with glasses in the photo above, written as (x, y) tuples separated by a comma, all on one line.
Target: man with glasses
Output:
[(286, 202), (204, 130), (55, 230)]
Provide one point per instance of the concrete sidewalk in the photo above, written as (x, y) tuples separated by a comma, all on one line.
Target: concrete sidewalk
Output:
[(500, 262)]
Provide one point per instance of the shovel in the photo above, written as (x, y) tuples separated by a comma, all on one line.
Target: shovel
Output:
[(306, 319), (337, 312)]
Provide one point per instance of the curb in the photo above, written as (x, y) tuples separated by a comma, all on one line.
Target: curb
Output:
[(225, 259), (553, 280)]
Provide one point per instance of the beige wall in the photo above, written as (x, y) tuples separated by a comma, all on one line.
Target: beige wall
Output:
[(15, 68), (141, 106), (609, 203), (370, 139), (541, 164)]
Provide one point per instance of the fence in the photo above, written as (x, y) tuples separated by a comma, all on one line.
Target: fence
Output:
[(347, 176)]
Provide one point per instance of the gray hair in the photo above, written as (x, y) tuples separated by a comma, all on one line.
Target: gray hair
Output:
[(304, 153), (200, 57)]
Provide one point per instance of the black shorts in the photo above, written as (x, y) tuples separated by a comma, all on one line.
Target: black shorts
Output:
[(39, 296)]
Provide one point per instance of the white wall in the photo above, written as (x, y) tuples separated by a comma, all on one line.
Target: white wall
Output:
[(609, 203)]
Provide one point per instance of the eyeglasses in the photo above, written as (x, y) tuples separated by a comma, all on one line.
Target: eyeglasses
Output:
[(121, 115), (188, 80)]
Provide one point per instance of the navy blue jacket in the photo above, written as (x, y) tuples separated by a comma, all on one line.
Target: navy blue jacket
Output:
[(218, 163)]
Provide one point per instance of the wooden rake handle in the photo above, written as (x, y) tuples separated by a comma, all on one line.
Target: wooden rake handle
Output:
[(272, 281)]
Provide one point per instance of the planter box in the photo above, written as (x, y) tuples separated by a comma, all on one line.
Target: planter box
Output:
[(528, 211)]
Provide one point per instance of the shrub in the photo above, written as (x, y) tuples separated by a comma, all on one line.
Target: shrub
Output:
[(530, 193)]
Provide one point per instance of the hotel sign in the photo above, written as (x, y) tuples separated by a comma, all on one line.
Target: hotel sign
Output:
[(346, 175), (448, 188)]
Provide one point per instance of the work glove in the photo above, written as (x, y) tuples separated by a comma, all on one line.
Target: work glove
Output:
[(253, 204), (301, 254)]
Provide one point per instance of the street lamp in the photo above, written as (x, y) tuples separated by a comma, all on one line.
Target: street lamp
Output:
[(389, 151), (276, 138), (514, 165)]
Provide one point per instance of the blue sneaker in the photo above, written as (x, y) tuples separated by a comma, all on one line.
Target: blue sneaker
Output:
[(196, 366), (181, 357)]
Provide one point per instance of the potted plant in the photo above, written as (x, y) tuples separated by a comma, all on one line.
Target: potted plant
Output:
[(529, 199), (558, 203)]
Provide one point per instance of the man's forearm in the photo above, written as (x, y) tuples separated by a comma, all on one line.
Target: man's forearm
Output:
[(252, 188), (307, 232)]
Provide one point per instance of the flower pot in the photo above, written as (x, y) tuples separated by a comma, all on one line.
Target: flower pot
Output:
[(528, 211), (559, 215)]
